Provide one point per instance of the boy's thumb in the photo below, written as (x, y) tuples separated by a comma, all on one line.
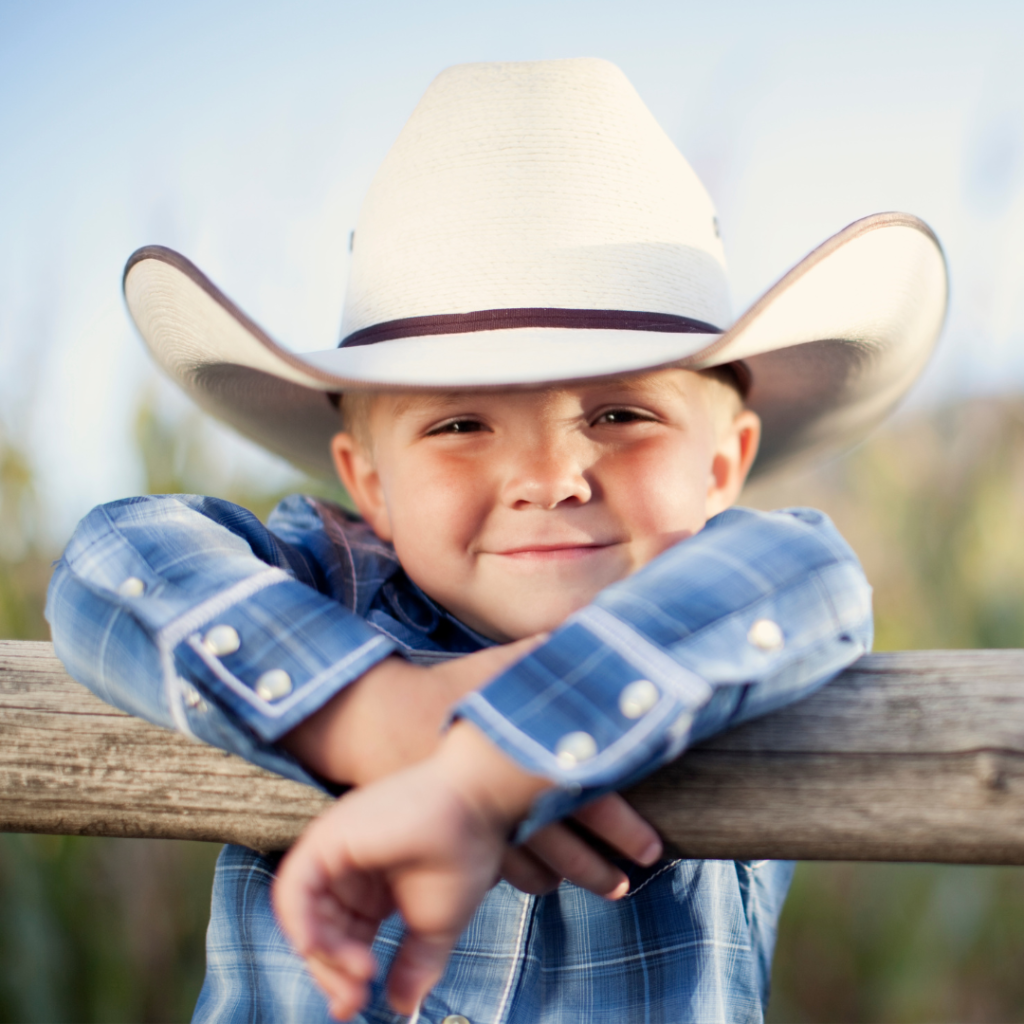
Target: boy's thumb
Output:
[(474, 671), (508, 654)]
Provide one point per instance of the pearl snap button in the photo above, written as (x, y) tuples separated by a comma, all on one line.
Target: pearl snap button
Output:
[(222, 640), (681, 726), (132, 587), (638, 698), (455, 1018), (574, 747), (192, 696), (766, 635), (274, 685)]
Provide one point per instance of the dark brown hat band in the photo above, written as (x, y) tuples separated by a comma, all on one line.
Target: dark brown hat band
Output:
[(500, 319), (574, 319)]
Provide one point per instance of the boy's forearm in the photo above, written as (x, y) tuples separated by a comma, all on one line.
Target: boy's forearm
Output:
[(393, 715), (390, 717)]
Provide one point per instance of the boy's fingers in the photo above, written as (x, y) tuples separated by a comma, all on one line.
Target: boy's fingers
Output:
[(612, 819), (475, 670), (527, 873), (569, 856), (418, 967), (345, 995), (508, 654), (332, 920), (297, 895)]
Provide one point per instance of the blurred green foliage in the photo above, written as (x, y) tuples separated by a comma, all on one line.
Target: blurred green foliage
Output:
[(102, 929), (900, 943), (113, 930)]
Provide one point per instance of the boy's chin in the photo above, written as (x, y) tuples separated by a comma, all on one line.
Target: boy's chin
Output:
[(509, 623)]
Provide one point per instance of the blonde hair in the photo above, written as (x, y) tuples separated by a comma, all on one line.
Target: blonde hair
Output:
[(355, 408)]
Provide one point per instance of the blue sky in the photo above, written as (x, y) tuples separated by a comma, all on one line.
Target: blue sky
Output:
[(245, 135)]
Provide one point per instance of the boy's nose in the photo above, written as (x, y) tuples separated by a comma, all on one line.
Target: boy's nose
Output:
[(546, 477)]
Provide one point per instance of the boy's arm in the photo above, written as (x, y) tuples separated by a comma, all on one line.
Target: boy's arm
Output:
[(189, 612), (178, 608), (755, 611)]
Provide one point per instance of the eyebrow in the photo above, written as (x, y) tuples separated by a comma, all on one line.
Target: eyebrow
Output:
[(441, 400), (405, 401), (657, 381)]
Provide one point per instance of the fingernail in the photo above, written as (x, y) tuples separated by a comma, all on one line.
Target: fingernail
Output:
[(619, 891), (650, 854)]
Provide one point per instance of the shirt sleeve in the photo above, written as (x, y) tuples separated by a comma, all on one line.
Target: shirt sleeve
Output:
[(755, 611), (189, 612)]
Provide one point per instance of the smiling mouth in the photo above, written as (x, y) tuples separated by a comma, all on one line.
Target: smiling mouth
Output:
[(554, 552)]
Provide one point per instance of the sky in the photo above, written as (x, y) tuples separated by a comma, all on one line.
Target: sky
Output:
[(245, 135)]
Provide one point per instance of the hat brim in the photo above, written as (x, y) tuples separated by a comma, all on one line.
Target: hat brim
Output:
[(831, 348)]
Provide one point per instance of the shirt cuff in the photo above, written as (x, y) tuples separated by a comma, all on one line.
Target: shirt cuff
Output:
[(633, 700), (269, 679)]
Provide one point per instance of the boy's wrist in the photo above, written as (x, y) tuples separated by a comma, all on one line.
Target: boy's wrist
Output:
[(347, 740), (497, 787)]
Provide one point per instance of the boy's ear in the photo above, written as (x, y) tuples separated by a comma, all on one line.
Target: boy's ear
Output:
[(360, 478), (734, 455)]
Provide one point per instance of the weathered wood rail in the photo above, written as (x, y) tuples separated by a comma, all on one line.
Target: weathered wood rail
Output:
[(910, 756)]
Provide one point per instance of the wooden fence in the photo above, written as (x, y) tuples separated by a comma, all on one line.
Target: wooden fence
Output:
[(914, 756)]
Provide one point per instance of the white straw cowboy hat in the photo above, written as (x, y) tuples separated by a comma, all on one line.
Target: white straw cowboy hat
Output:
[(533, 224)]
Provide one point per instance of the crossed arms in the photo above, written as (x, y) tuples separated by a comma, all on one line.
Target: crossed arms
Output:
[(317, 601)]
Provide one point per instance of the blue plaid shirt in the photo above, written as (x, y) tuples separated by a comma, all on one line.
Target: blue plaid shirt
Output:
[(753, 612)]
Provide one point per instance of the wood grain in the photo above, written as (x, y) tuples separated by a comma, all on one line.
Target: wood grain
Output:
[(909, 756), (72, 765)]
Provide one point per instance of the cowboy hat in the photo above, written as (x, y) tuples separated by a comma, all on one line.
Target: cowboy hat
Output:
[(533, 224)]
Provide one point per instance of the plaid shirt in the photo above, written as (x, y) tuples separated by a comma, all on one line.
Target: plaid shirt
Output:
[(189, 612)]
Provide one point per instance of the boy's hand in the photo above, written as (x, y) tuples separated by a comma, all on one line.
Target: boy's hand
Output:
[(556, 852), (392, 717), (428, 842)]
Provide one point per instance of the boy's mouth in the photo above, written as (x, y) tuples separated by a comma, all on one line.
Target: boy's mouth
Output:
[(553, 552)]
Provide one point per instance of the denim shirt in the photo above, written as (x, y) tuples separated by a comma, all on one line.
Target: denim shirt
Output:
[(189, 612)]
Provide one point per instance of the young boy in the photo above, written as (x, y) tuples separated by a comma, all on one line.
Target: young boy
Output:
[(545, 431)]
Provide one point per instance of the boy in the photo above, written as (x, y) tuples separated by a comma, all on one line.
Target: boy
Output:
[(544, 433)]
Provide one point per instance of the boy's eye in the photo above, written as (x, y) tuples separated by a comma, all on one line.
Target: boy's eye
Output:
[(622, 416), (464, 426)]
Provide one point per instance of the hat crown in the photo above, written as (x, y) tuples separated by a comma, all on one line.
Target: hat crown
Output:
[(544, 184)]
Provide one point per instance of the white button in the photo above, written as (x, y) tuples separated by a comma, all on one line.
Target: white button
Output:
[(222, 640), (455, 1018), (274, 685), (766, 635), (574, 747), (132, 587), (193, 698), (638, 698), (681, 726)]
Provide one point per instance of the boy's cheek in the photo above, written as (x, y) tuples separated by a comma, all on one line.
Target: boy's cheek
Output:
[(660, 543)]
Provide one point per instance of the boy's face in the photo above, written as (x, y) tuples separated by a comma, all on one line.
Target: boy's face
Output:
[(513, 509)]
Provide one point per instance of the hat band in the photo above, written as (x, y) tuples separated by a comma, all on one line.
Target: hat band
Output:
[(503, 319)]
